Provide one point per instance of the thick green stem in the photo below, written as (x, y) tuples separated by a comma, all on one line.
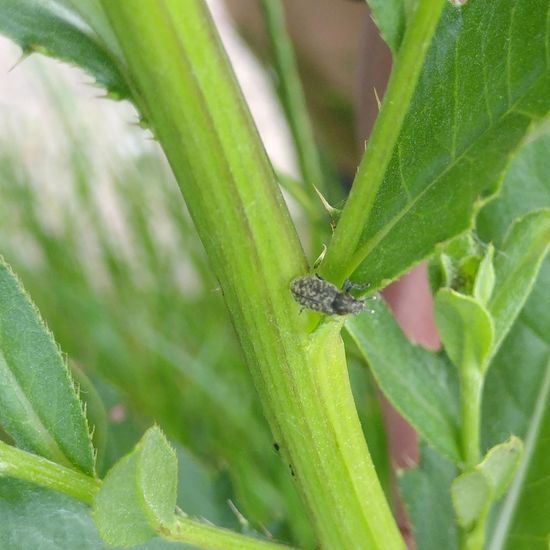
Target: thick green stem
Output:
[(182, 80), (209, 537), (28, 467), (344, 253)]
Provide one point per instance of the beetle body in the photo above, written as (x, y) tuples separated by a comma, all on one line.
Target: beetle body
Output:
[(313, 292)]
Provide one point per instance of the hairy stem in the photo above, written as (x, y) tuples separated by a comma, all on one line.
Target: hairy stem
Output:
[(183, 81), (40, 471), (209, 537)]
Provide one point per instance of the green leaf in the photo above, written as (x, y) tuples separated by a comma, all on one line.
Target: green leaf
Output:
[(425, 490), (440, 271), (465, 328), (482, 87), (485, 277), (500, 465), (33, 517), (471, 496), (528, 505), (158, 471), (456, 264), (39, 407), (371, 415), (418, 383), (96, 414), (55, 28), (517, 389), (474, 491), (118, 509), (517, 266), (525, 189), (517, 400), (466, 332), (138, 495), (390, 18), (92, 12)]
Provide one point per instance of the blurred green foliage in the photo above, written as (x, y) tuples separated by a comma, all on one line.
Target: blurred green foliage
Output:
[(116, 269)]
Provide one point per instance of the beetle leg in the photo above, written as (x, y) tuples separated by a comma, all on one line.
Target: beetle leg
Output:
[(348, 285)]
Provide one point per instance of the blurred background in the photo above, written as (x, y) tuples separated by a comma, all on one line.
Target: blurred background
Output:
[(94, 225)]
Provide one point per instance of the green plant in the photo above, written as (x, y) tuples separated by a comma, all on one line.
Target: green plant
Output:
[(467, 93)]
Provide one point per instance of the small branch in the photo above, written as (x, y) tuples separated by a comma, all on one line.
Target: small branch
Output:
[(342, 258), (299, 193), (209, 537), (40, 471), (471, 392), (475, 538), (471, 387), (292, 95)]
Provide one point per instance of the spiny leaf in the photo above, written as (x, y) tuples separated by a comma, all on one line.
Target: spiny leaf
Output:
[(138, 495), (39, 406), (56, 29)]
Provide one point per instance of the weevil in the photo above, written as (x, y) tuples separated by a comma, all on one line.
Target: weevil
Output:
[(313, 292)]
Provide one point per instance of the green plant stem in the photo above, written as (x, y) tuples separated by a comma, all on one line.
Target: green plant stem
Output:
[(183, 82), (471, 387), (292, 98), (292, 95), (471, 391), (474, 539), (344, 253), (40, 471), (297, 191), (209, 537)]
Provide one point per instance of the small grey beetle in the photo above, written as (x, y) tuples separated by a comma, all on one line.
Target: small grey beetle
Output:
[(313, 292)]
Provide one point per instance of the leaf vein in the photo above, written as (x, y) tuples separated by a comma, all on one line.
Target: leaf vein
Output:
[(509, 56), (455, 100), (401, 175)]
